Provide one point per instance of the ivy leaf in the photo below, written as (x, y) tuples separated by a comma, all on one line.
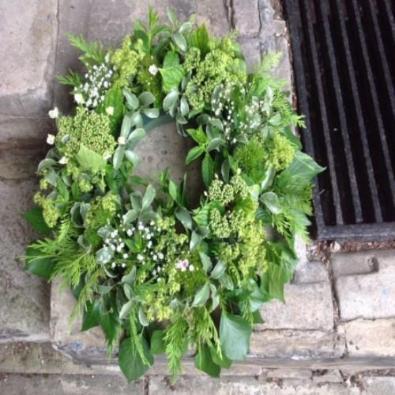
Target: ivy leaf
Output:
[(149, 197), (193, 154), (220, 360), (130, 360), (201, 295), (91, 316), (184, 217), (235, 333), (272, 202), (207, 169), (204, 361), (158, 345), (35, 218), (110, 326)]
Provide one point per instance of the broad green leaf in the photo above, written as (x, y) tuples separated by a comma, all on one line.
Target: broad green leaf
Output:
[(35, 218), (215, 143), (110, 326), (91, 316), (184, 107), (146, 98), (172, 72), (193, 154), (173, 190), (206, 262), (125, 310), (220, 360), (204, 361), (235, 333), (134, 137), (142, 317), (170, 100), (158, 345), (131, 99), (195, 240), (180, 41), (218, 271), (272, 202), (198, 135), (151, 112), (90, 160), (118, 156), (207, 169), (37, 264), (132, 364), (149, 197), (201, 295), (45, 164), (184, 217)]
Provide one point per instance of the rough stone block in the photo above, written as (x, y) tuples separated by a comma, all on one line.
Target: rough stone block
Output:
[(370, 338), (24, 307), (362, 262), (379, 385), (368, 296), (297, 344), (307, 306), (252, 52), (246, 17), (17, 384), (16, 132), (310, 272), (28, 32)]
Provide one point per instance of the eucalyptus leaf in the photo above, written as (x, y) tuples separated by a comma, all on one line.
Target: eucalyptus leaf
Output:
[(207, 169), (131, 99), (184, 217), (170, 100), (125, 310), (132, 157), (180, 41), (201, 296), (195, 240), (104, 255), (218, 271), (193, 154), (142, 317), (206, 262), (118, 156), (146, 98), (151, 112), (134, 137)]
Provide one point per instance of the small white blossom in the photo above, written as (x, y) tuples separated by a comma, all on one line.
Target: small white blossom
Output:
[(140, 257), (125, 256), (121, 140), (63, 160), (123, 265), (160, 255), (50, 139), (79, 99), (110, 110), (191, 268), (153, 69), (54, 113), (129, 232), (113, 265)]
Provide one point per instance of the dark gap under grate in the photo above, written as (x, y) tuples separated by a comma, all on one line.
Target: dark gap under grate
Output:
[(344, 71)]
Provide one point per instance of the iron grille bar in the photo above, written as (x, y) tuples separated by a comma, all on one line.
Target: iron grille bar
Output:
[(303, 100), (383, 56), (325, 124), (340, 108), (360, 115), (390, 17), (376, 105)]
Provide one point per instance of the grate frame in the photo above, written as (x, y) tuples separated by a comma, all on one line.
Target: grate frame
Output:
[(332, 46)]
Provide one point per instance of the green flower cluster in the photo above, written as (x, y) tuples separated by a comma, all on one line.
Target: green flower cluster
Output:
[(84, 128), (51, 212), (220, 66)]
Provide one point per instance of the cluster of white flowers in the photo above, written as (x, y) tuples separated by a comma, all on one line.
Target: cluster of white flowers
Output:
[(224, 108), (184, 265), (117, 245), (97, 82)]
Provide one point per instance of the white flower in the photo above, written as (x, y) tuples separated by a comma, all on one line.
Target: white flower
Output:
[(50, 139), (129, 232), (140, 257), (160, 255), (153, 69), (191, 268), (121, 140), (79, 99), (54, 113), (63, 160), (125, 256), (123, 265), (113, 265)]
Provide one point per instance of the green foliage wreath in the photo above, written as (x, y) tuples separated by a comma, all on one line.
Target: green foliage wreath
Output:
[(155, 273)]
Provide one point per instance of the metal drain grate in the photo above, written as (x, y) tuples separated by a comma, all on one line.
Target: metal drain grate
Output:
[(344, 64)]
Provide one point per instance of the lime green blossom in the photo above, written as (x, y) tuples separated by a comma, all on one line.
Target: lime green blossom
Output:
[(51, 213)]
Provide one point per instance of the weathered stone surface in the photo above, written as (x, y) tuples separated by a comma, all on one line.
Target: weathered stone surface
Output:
[(246, 386), (307, 306), (370, 337), (18, 132), (24, 305), (28, 34), (379, 385), (296, 344), (310, 272), (18, 384), (362, 262), (252, 52), (246, 17), (368, 295)]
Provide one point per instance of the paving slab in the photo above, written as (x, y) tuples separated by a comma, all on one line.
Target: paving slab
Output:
[(246, 17), (28, 31), (24, 307), (307, 306), (375, 338)]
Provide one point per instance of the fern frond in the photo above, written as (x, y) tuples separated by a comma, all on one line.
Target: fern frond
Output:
[(71, 79), (93, 52)]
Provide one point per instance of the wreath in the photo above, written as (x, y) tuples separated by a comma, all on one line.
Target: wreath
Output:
[(155, 272)]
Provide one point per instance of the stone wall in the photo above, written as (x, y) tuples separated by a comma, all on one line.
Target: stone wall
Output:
[(339, 317)]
